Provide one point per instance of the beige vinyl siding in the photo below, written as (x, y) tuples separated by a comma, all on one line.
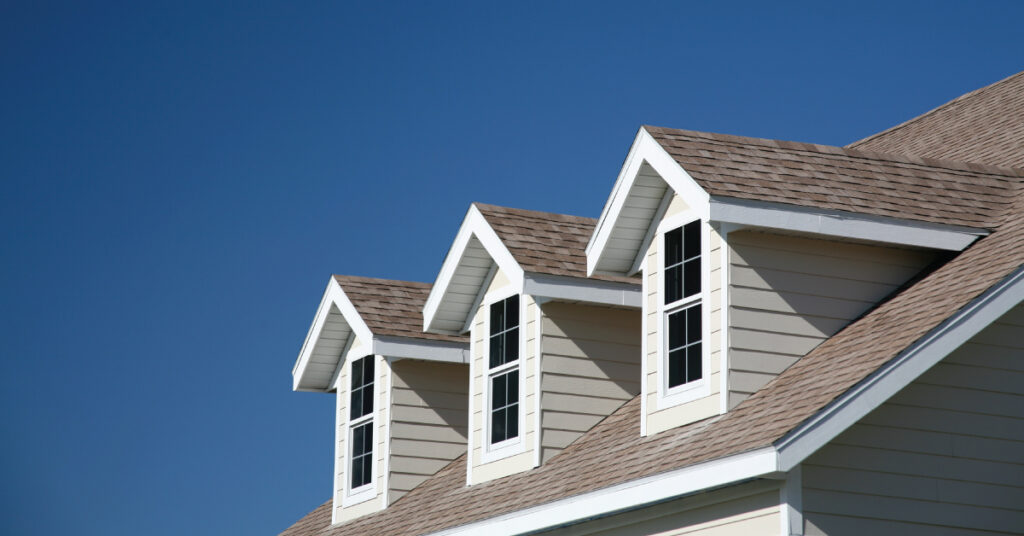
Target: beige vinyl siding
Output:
[(590, 366), (743, 510), (428, 420), (381, 370), (787, 294), (944, 456), (480, 470), (659, 415)]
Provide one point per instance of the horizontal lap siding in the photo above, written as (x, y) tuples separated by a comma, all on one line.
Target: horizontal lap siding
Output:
[(590, 367), (787, 294), (943, 456), (743, 510), (429, 405)]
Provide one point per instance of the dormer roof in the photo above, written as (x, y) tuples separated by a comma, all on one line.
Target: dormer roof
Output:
[(542, 254), (383, 313)]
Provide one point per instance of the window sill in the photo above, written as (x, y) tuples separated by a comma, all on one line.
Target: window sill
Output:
[(500, 451), (684, 393), (359, 495)]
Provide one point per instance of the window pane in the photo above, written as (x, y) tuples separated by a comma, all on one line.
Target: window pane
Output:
[(498, 425), (357, 474), (367, 370), (512, 379), (367, 400), (512, 421), (367, 439), (693, 363), (497, 317), (511, 345), (676, 330), (357, 373), (673, 283), (358, 441), (676, 370), (497, 350), (673, 246), (356, 403), (499, 394), (512, 312), (691, 240), (693, 332), (691, 277)]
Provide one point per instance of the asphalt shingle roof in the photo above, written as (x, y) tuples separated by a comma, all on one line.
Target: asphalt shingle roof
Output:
[(391, 307)]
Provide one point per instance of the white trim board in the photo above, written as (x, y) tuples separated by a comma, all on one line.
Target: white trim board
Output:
[(645, 150), (899, 372), (626, 496), (473, 225), (407, 347), (841, 224), (555, 287)]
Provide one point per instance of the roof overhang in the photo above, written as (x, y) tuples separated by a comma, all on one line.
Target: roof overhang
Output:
[(471, 263), (337, 324), (650, 176), (782, 459)]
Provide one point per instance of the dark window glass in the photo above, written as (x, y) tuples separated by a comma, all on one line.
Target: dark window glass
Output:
[(504, 343), (362, 455), (684, 346), (682, 262), (361, 399), (505, 406)]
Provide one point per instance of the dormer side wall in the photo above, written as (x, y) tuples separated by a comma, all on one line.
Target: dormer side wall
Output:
[(787, 294), (429, 402), (590, 366)]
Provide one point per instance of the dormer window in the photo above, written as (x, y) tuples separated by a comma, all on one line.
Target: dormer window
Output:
[(684, 356), (503, 370), (361, 423)]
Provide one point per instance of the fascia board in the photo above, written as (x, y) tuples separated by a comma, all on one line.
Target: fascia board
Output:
[(333, 295), (583, 290), (627, 496), (474, 224), (406, 347), (842, 224), (644, 149), (898, 373)]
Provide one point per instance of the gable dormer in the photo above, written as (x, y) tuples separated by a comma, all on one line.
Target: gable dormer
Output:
[(400, 393), (552, 351), (753, 251)]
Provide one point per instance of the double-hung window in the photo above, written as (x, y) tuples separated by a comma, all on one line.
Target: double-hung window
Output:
[(360, 417), (683, 361), (503, 370)]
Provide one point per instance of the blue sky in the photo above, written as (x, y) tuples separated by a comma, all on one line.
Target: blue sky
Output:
[(179, 180)]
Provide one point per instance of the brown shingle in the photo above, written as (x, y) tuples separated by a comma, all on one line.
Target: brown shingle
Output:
[(391, 307), (985, 126), (834, 178), (544, 242)]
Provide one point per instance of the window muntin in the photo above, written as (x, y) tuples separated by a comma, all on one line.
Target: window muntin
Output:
[(503, 370), (683, 359), (361, 422)]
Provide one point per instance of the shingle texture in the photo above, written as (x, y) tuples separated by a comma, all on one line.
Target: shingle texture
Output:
[(614, 452), (543, 242), (391, 307), (834, 178), (984, 126)]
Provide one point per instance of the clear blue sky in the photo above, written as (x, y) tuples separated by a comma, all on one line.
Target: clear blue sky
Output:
[(179, 181)]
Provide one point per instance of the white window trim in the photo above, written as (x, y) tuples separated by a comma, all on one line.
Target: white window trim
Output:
[(517, 445), (701, 388), (365, 492)]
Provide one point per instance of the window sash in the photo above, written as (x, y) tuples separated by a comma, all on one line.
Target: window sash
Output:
[(361, 390), (503, 339), (361, 455), (684, 355), (504, 410), (682, 262)]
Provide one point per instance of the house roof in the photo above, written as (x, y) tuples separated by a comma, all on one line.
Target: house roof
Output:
[(836, 178), (984, 126), (614, 452), (545, 242), (390, 307)]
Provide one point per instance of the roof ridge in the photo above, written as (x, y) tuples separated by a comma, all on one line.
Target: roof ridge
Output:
[(526, 211), (935, 110), (943, 163), (378, 281)]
